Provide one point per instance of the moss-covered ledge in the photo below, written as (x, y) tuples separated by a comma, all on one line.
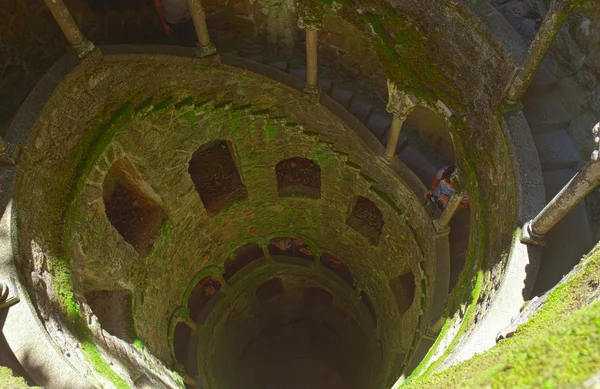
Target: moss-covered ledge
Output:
[(559, 345)]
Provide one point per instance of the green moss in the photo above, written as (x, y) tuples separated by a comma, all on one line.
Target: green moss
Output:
[(91, 148), (166, 103), (144, 106), (559, 345), (416, 238), (187, 102), (8, 381), (190, 117), (271, 132), (137, 343), (388, 201)]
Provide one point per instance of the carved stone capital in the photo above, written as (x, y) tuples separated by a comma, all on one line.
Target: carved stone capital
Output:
[(400, 103), (567, 6), (310, 24), (596, 153), (311, 14)]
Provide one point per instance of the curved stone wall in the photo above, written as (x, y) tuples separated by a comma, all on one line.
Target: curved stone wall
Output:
[(155, 112)]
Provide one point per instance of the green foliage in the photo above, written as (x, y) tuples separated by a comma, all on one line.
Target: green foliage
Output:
[(8, 381)]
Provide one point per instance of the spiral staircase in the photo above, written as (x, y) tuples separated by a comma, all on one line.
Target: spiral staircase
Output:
[(546, 120)]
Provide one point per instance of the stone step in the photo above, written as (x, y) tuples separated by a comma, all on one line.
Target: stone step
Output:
[(360, 108), (280, 65), (543, 82), (254, 57), (556, 150), (341, 95), (298, 72), (546, 113), (567, 242), (378, 123), (419, 164), (326, 85), (231, 52)]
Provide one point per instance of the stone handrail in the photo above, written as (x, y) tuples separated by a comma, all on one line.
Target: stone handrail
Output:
[(582, 184)]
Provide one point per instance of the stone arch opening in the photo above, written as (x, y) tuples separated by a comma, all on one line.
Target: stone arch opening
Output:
[(425, 127), (240, 258), (298, 177), (404, 288), (290, 247), (202, 293), (181, 342), (367, 219), (132, 206), (338, 267), (270, 289), (216, 177), (317, 296)]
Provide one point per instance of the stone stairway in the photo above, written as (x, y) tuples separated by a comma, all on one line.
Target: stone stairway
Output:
[(373, 115)]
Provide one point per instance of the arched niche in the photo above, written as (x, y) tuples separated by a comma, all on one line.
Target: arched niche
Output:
[(132, 206), (216, 177), (367, 219), (298, 177)]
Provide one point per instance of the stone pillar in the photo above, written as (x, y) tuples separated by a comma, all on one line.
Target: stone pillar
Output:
[(444, 221), (555, 17), (312, 23), (205, 45), (390, 148), (582, 184), (191, 324), (78, 44), (400, 105), (312, 77)]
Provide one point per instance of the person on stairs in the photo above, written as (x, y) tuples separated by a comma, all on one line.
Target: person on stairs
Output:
[(175, 19), (442, 189)]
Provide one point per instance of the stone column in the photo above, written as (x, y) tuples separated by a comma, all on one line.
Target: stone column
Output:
[(205, 45), (312, 79), (400, 105), (444, 221), (312, 24), (582, 184), (78, 44), (390, 148), (191, 324), (557, 14)]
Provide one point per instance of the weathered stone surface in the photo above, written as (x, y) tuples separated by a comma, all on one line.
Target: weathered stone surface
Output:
[(265, 123), (546, 113), (556, 150)]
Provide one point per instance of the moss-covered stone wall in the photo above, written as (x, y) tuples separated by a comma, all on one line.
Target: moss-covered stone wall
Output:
[(157, 111)]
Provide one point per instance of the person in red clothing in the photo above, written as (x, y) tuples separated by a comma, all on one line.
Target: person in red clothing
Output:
[(211, 287), (442, 189)]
